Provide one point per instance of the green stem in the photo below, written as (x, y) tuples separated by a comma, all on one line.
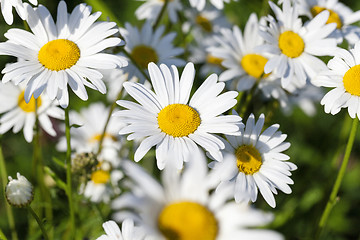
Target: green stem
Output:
[(4, 181), (68, 174), (108, 120), (2, 235), (161, 14), (333, 196), (41, 225)]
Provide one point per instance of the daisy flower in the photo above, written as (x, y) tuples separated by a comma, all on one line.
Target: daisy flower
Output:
[(242, 62), (200, 4), (150, 10), (294, 46), (19, 192), (17, 114), (167, 119), (86, 137), (61, 53), (254, 161), (181, 207), (128, 231), (343, 77), (145, 46), (340, 14), (6, 9)]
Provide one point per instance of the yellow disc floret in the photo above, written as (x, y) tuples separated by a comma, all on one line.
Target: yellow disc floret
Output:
[(351, 80), (59, 54), (178, 120), (100, 176), (333, 18), (31, 105), (214, 60), (187, 221), (143, 55), (253, 64), (204, 23), (291, 44), (248, 159), (97, 137)]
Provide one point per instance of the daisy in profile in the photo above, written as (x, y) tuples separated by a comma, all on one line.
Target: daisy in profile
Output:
[(343, 76), (7, 7), (145, 45), (128, 231), (168, 119), (181, 207), (150, 10), (200, 4), (17, 114), (340, 14), (57, 54), (254, 162), (294, 47), (86, 137)]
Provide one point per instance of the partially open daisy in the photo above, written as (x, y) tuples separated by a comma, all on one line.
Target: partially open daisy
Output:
[(15, 113), (254, 161), (295, 46), (128, 231), (181, 207), (145, 46), (7, 7), (167, 119), (150, 10), (55, 55), (344, 76), (340, 14)]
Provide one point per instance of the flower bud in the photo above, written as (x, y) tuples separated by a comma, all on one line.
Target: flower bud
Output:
[(19, 192)]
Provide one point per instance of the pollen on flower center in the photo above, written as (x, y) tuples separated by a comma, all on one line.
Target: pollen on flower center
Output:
[(204, 23), (248, 159), (351, 80), (59, 54), (178, 120), (31, 105), (100, 176), (253, 64), (291, 44), (333, 18), (187, 221), (143, 55)]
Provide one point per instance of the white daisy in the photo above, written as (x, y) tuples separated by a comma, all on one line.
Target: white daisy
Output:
[(343, 76), (67, 52), (242, 62), (167, 119), (86, 137), (150, 10), (181, 207), (295, 46), (19, 192), (200, 4), (6, 9), (254, 161), (340, 14), (17, 114), (145, 46), (128, 231)]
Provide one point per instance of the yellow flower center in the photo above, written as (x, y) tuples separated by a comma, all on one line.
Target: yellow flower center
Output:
[(143, 55), (97, 137), (31, 105), (333, 18), (351, 80), (253, 64), (178, 120), (248, 159), (291, 44), (100, 177), (59, 54), (187, 221), (204, 23), (214, 60)]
